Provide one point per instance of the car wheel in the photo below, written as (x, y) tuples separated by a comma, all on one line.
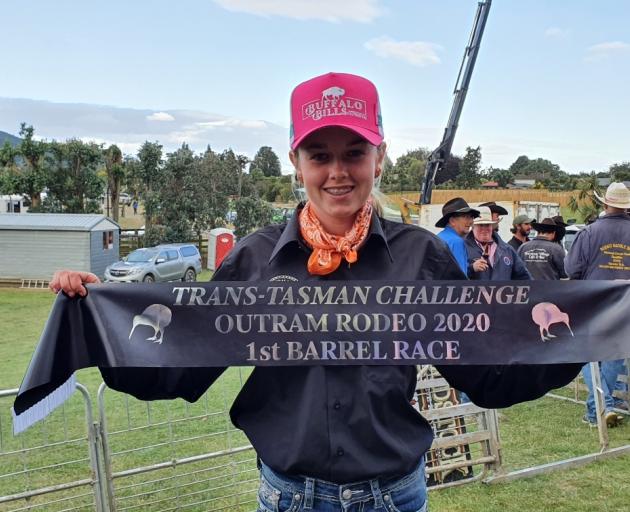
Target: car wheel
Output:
[(148, 279), (190, 275)]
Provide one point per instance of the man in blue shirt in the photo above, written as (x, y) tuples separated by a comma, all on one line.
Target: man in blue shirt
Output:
[(457, 219)]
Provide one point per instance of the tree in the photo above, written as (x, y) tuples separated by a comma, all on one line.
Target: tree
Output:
[(24, 168), (407, 172), (115, 174), (177, 204), (232, 167), (74, 185), (251, 213), (450, 171), (502, 176), (518, 165), (149, 172), (266, 162), (620, 172), (469, 170), (540, 169), (585, 203)]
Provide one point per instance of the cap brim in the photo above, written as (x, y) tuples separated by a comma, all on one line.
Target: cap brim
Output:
[(369, 135)]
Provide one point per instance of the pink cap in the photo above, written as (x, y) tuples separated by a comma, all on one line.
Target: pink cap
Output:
[(336, 99)]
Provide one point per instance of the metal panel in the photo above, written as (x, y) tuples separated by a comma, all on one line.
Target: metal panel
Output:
[(54, 465), (172, 455), (53, 221), (38, 254)]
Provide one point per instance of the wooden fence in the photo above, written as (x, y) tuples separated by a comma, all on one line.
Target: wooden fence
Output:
[(481, 196)]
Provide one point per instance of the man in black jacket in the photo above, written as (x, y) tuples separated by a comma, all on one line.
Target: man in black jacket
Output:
[(543, 257)]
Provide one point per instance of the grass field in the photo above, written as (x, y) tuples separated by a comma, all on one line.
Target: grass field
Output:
[(141, 434)]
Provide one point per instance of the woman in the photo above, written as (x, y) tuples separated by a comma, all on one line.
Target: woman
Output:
[(334, 438)]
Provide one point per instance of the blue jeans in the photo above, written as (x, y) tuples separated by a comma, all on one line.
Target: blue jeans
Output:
[(284, 493), (609, 371)]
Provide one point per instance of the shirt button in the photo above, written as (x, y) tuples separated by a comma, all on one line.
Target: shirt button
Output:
[(337, 405), (347, 494), (340, 452)]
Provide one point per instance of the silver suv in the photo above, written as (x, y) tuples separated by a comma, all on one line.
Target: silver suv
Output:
[(168, 262)]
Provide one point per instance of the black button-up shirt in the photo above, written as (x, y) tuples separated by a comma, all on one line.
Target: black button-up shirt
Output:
[(341, 423)]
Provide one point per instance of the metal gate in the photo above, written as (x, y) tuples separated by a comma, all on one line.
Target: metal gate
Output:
[(53, 466)]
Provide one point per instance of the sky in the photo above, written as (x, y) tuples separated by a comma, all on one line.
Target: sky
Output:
[(551, 80)]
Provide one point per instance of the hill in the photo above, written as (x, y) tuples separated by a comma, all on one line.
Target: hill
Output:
[(13, 140)]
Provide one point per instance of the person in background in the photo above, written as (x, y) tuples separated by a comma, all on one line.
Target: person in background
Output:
[(602, 251), (135, 206), (457, 219), (336, 438), (559, 220), (543, 257), (497, 212), (489, 257), (521, 226)]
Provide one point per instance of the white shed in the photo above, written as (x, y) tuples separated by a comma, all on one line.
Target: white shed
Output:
[(35, 245)]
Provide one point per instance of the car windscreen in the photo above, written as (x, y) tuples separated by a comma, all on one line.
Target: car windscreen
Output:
[(141, 256)]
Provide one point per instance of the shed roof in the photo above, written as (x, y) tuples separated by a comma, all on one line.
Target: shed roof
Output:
[(54, 221)]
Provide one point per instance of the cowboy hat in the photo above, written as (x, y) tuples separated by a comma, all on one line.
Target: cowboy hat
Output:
[(495, 208), (485, 216), (455, 206), (547, 225), (617, 196)]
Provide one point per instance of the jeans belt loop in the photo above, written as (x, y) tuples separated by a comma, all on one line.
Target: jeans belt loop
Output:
[(309, 493), (376, 493)]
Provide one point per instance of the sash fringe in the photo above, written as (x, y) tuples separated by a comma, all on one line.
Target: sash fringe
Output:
[(44, 407)]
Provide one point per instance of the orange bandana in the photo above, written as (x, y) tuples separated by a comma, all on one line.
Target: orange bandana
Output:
[(328, 249)]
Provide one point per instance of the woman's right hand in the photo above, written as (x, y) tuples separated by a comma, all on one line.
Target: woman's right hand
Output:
[(71, 282)]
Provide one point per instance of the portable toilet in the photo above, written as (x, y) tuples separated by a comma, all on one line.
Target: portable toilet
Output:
[(220, 243)]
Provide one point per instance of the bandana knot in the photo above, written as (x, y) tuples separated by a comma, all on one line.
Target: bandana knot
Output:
[(328, 249)]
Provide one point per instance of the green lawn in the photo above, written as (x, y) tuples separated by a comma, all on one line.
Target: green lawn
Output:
[(143, 434)]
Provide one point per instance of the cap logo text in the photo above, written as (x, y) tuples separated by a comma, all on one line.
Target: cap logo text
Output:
[(333, 102)]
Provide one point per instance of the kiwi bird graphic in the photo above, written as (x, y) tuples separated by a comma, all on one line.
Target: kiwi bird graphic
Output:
[(156, 316), (546, 314)]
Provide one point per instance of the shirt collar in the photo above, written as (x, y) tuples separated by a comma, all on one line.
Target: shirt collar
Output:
[(291, 233)]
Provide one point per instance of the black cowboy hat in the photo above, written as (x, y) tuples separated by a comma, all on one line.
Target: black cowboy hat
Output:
[(559, 219), (495, 208), (547, 225), (455, 206)]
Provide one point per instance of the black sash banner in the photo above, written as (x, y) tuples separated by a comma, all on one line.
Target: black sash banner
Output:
[(181, 325)]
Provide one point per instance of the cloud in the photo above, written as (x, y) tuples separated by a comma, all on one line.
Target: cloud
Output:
[(363, 11), (417, 53), (557, 33), (160, 116), (603, 51), (129, 128), (232, 123)]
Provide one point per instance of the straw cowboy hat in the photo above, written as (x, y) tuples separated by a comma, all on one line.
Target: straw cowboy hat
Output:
[(455, 206), (617, 196), (485, 216)]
